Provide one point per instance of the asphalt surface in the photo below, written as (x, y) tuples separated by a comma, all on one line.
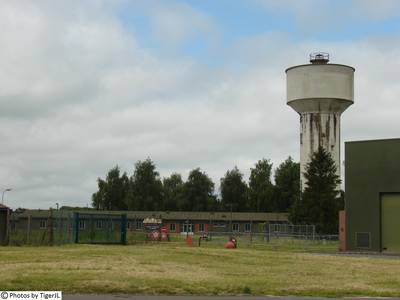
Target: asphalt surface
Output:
[(132, 297)]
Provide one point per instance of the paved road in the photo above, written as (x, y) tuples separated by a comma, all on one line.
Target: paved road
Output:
[(130, 297)]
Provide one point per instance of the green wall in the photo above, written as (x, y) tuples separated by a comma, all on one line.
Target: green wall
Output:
[(390, 227), (372, 168), (3, 226)]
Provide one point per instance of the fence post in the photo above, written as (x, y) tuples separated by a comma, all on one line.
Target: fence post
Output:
[(76, 227), (91, 229), (269, 232), (313, 232), (50, 225), (60, 225), (251, 231), (123, 229), (28, 232)]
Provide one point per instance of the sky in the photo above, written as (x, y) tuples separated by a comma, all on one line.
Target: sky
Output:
[(87, 85)]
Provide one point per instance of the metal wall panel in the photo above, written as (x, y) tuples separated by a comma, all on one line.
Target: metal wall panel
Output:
[(390, 220)]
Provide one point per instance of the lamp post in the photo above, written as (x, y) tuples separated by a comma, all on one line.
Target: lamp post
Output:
[(2, 196)]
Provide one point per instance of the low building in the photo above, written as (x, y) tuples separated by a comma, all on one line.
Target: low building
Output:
[(203, 222), (176, 222), (372, 195)]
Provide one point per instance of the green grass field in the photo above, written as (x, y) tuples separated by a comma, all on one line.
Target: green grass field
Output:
[(177, 269)]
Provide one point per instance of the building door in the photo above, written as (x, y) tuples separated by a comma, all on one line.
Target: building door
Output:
[(390, 220), (187, 228)]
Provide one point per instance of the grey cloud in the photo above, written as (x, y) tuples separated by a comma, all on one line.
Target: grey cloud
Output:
[(70, 113)]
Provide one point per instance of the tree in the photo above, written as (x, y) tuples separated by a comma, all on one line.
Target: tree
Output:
[(145, 191), (98, 198), (112, 191), (234, 191), (261, 187), (198, 192), (173, 192), (287, 185), (320, 201)]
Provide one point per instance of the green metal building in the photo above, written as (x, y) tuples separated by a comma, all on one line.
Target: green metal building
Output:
[(372, 187)]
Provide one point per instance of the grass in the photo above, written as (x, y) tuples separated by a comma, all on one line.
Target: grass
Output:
[(176, 269)]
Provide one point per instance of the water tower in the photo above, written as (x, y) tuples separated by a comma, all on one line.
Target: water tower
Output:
[(320, 92)]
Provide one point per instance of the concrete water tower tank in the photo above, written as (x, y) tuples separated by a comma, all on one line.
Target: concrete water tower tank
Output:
[(320, 92)]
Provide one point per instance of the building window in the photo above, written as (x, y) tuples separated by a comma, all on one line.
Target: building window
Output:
[(202, 227), (172, 227), (99, 224), (235, 227), (139, 224), (43, 224), (247, 227), (186, 228), (81, 224)]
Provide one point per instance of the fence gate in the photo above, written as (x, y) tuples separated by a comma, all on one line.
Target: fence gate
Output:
[(4, 222), (92, 228)]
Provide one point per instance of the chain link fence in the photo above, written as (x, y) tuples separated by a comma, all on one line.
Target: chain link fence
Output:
[(278, 237), (58, 227), (43, 228)]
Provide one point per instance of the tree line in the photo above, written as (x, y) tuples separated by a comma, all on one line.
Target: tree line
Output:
[(146, 190)]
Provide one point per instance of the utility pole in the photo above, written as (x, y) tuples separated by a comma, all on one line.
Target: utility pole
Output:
[(231, 219)]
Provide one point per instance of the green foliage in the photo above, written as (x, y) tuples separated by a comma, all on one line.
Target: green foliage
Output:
[(234, 191), (261, 187), (173, 192), (198, 192), (320, 201), (112, 191), (287, 185), (145, 190)]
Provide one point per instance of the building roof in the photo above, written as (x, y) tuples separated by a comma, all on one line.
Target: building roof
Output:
[(2, 206), (165, 215), (374, 141), (220, 216)]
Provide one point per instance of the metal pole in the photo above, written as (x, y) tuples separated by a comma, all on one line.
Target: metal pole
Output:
[(187, 229), (76, 227), (28, 233), (123, 229), (231, 219)]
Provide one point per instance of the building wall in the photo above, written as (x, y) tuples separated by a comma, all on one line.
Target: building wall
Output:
[(372, 168), (218, 226), (20, 222)]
